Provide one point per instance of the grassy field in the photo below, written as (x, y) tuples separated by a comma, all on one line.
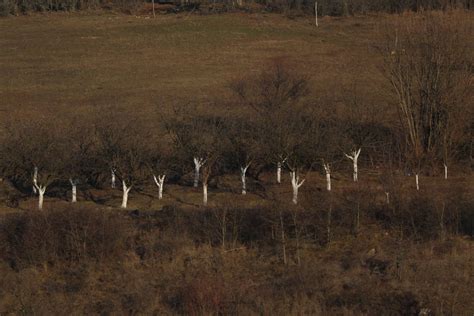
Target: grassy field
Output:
[(64, 62), (347, 252)]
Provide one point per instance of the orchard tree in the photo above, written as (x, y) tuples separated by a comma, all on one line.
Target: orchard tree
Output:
[(275, 95), (243, 150), (325, 138), (125, 148), (196, 138), (80, 156), (31, 153), (160, 166)]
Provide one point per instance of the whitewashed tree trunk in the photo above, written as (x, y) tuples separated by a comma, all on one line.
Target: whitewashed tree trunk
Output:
[(198, 162), (279, 166), (278, 172), (316, 13), (417, 180), (74, 190), (387, 197), (327, 168), (204, 194), (296, 184), (113, 178), (243, 171), (445, 171), (41, 189), (354, 156), (125, 194), (35, 179), (160, 181)]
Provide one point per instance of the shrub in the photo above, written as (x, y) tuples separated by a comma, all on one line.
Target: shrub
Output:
[(71, 235)]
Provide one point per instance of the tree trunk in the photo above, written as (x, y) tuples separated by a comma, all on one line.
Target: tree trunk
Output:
[(74, 190), (40, 200), (278, 172), (356, 171), (35, 179), (316, 13), (295, 195), (125, 194), (387, 197), (328, 176), (198, 162), (160, 181), (153, 4), (41, 190), (113, 178), (354, 157), (446, 171), (417, 182), (328, 181), (296, 184), (243, 171), (204, 192)]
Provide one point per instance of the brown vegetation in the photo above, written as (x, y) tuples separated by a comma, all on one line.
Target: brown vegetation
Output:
[(372, 246)]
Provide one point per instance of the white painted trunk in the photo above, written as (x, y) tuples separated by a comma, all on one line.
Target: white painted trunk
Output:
[(327, 168), (113, 179), (35, 180), (328, 181), (74, 193), (316, 12), (160, 192), (125, 199), (295, 195), (354, 157), (279, 172), (41, 190), (196, 175), (445, 171), (417, 182), (355, 171), (243, 171), (296, 184), (204, 194), (387, 197), (125, 194), (160, 181), (74, 190), (198, 162)]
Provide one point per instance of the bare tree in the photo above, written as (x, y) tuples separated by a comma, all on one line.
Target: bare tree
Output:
[(79, 157), (276, 95), (427, 62), (196, 138), (31, 147), (199, 138), (243, 149), (159, 166), (125, 148)]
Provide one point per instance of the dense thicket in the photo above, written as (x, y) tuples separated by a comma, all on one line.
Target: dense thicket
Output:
[(230, 260), (325, 7)]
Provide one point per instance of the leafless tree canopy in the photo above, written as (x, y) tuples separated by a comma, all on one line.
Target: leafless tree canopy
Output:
[(428, 61)]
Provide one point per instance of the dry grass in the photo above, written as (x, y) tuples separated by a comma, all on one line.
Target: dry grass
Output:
[(64, 63)]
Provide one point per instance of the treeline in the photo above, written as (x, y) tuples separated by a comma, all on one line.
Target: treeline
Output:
[(325, 7), (278, 126)]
